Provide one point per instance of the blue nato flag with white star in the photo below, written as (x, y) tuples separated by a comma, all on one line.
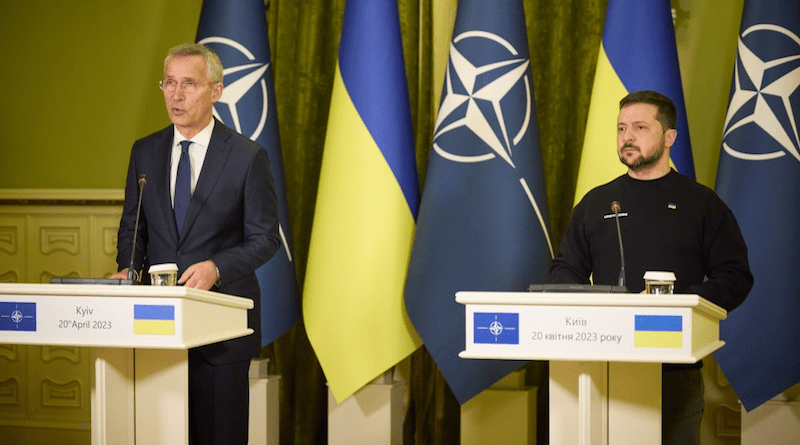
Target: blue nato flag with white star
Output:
[(496, 328), (17, 316), (759, 179), (483, 223), (237, 32)]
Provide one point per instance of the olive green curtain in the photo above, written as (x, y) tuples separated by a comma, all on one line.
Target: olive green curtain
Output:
[(564, 38)]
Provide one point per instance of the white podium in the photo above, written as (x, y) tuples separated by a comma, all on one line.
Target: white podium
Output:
[(141, 335), (605, 353)]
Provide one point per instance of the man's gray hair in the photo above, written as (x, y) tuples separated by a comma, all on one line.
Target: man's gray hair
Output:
[(213, 64)]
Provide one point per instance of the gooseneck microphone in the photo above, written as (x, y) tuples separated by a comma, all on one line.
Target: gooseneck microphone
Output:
[(142, 182), (615, 207)]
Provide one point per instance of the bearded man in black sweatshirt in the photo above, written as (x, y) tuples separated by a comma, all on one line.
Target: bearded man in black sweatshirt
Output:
[(670, 223)]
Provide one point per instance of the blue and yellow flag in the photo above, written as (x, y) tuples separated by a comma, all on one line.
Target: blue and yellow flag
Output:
[(637, 52), (658, 331), (366, 208), (483, 222), (759, 179), (154, 319), (237, 32)]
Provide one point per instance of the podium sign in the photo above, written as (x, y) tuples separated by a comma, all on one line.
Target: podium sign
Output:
[(605, 350), (118, 316), (149, 326), (590, 327)]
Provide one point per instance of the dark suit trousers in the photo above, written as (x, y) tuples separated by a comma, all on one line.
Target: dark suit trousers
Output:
[(219, 397)]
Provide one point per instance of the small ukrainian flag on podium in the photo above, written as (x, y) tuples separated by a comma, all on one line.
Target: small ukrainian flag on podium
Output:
[(154, 319), (658, 331)]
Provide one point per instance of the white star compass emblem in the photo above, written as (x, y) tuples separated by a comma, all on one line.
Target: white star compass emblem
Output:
[(483, 115), (493, 92), (767, 87), (234, 91)]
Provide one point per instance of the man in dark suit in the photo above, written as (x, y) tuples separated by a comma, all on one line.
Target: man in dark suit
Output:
[(209, 206)]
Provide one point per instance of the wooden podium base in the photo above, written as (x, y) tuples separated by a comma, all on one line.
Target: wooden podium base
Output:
[(602, 403), (158, 413), (162, 396), (112, 397)]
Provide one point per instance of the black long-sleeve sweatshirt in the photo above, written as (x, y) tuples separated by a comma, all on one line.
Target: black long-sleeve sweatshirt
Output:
[(667, 224)]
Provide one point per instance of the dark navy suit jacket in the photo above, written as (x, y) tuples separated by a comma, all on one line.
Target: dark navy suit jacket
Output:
[(232, 220)]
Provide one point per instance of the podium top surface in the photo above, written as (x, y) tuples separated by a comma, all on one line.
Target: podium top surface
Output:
[(592, 299), (103, 290)]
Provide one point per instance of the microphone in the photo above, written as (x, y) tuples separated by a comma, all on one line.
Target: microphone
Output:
[(142, 182), (615, 207)]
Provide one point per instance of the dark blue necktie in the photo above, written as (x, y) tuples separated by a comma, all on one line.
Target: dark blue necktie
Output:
[(183, 185)]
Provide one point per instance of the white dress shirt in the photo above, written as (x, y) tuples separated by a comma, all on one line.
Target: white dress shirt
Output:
[(197, 154)]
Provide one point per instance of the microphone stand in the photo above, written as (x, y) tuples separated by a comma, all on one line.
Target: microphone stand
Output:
[(615, 207), (132, 275)]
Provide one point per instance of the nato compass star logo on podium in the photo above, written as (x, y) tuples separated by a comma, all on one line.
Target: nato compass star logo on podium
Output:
[(496, 328), (245, 89), (17, 316), (766, 87)]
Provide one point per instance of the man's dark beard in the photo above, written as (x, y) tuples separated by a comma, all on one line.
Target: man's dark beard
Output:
[(642, 162)]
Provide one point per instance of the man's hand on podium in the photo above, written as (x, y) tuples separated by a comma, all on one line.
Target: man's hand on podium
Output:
[(121, 275), (201, 275)]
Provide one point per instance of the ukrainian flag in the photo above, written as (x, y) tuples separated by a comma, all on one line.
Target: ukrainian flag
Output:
[(366, 208), (658, 331), (154, 319), (637, 52)]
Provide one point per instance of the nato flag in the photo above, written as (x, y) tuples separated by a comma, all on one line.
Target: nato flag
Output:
[(16, 316), (483, 221), (237, 32), (759, 179)]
